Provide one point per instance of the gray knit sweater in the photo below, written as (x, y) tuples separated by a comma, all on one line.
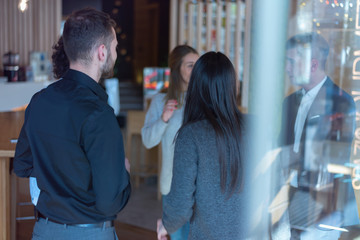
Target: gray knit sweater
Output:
[(196, 195)]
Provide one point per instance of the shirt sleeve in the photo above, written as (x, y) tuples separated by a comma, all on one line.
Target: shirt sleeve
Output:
[(23, 160), (179, 203), (154, 127), (103, 145)]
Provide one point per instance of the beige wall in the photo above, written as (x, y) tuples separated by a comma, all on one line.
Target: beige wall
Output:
[(34, 30)]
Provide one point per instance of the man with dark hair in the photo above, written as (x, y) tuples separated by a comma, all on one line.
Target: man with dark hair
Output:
[(318, 125), (71, 141)]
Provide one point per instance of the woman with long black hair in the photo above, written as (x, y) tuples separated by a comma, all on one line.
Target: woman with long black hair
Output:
[(209, 164)]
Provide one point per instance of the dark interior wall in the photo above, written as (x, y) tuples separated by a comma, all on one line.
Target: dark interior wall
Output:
[(164, 20), (122, 12), (68, 6)]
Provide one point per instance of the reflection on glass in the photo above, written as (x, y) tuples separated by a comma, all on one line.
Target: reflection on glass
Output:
[(318, 129)]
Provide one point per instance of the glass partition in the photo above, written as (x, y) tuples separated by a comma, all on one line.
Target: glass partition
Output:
[(319, 131)]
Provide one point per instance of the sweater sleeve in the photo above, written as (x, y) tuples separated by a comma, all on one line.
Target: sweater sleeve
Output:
[(154, 127), (179, 203)]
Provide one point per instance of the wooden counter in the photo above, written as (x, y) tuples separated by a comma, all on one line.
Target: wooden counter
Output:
[(10, 126)]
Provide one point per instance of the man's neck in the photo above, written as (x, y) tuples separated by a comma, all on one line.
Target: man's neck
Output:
[(314, 81), (89, 70)]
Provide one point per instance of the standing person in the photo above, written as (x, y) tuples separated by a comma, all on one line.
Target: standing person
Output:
[(71, 142), (317, 126), (165, 116), (60, 64), (209, 166)]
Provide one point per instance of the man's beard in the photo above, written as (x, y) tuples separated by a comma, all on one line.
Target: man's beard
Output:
[(107, 70)]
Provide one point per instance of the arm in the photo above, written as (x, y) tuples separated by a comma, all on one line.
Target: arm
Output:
[(161, 231), (103, 146), (23, 160), (178, 204), (154, 127)]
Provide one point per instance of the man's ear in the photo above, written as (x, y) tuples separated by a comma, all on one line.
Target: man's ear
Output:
[(102, 53), (314, 64)]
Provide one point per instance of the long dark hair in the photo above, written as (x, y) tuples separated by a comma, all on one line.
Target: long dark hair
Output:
[(176, 56), (212, 96), (60, 62)]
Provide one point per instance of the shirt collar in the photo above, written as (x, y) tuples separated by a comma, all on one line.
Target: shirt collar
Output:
[(87, 81), (314, 91)]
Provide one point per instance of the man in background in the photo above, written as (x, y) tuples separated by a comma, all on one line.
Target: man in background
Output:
[(318, 125), (71, 142)]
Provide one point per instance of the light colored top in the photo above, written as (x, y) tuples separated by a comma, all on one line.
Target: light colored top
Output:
[(34, 190), (304, 107), (156, 130)]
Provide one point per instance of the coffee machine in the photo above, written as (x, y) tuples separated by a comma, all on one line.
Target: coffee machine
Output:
[(11, 66)]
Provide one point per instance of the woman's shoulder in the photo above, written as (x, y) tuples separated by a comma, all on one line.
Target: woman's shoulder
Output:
[(159, 97), (196, 128)]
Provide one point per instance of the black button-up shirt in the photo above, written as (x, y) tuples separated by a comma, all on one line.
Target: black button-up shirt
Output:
[(72, 144)]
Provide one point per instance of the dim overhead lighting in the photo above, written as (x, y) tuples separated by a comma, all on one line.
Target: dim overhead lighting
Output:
[(127, 58), (333, 5), (341, 5), (123, 52), (23, 5), (115, 11)]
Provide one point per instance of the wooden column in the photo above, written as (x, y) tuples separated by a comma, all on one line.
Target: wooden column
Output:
[(199, 42), (5, 198), (227, 28), (247, 45), (238, 40), (173, 24), (218, 24), (190, 26), (181, 25), (208, 25)]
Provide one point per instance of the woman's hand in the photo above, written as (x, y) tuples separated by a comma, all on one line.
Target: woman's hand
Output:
[(168, 110), (161, 231)]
